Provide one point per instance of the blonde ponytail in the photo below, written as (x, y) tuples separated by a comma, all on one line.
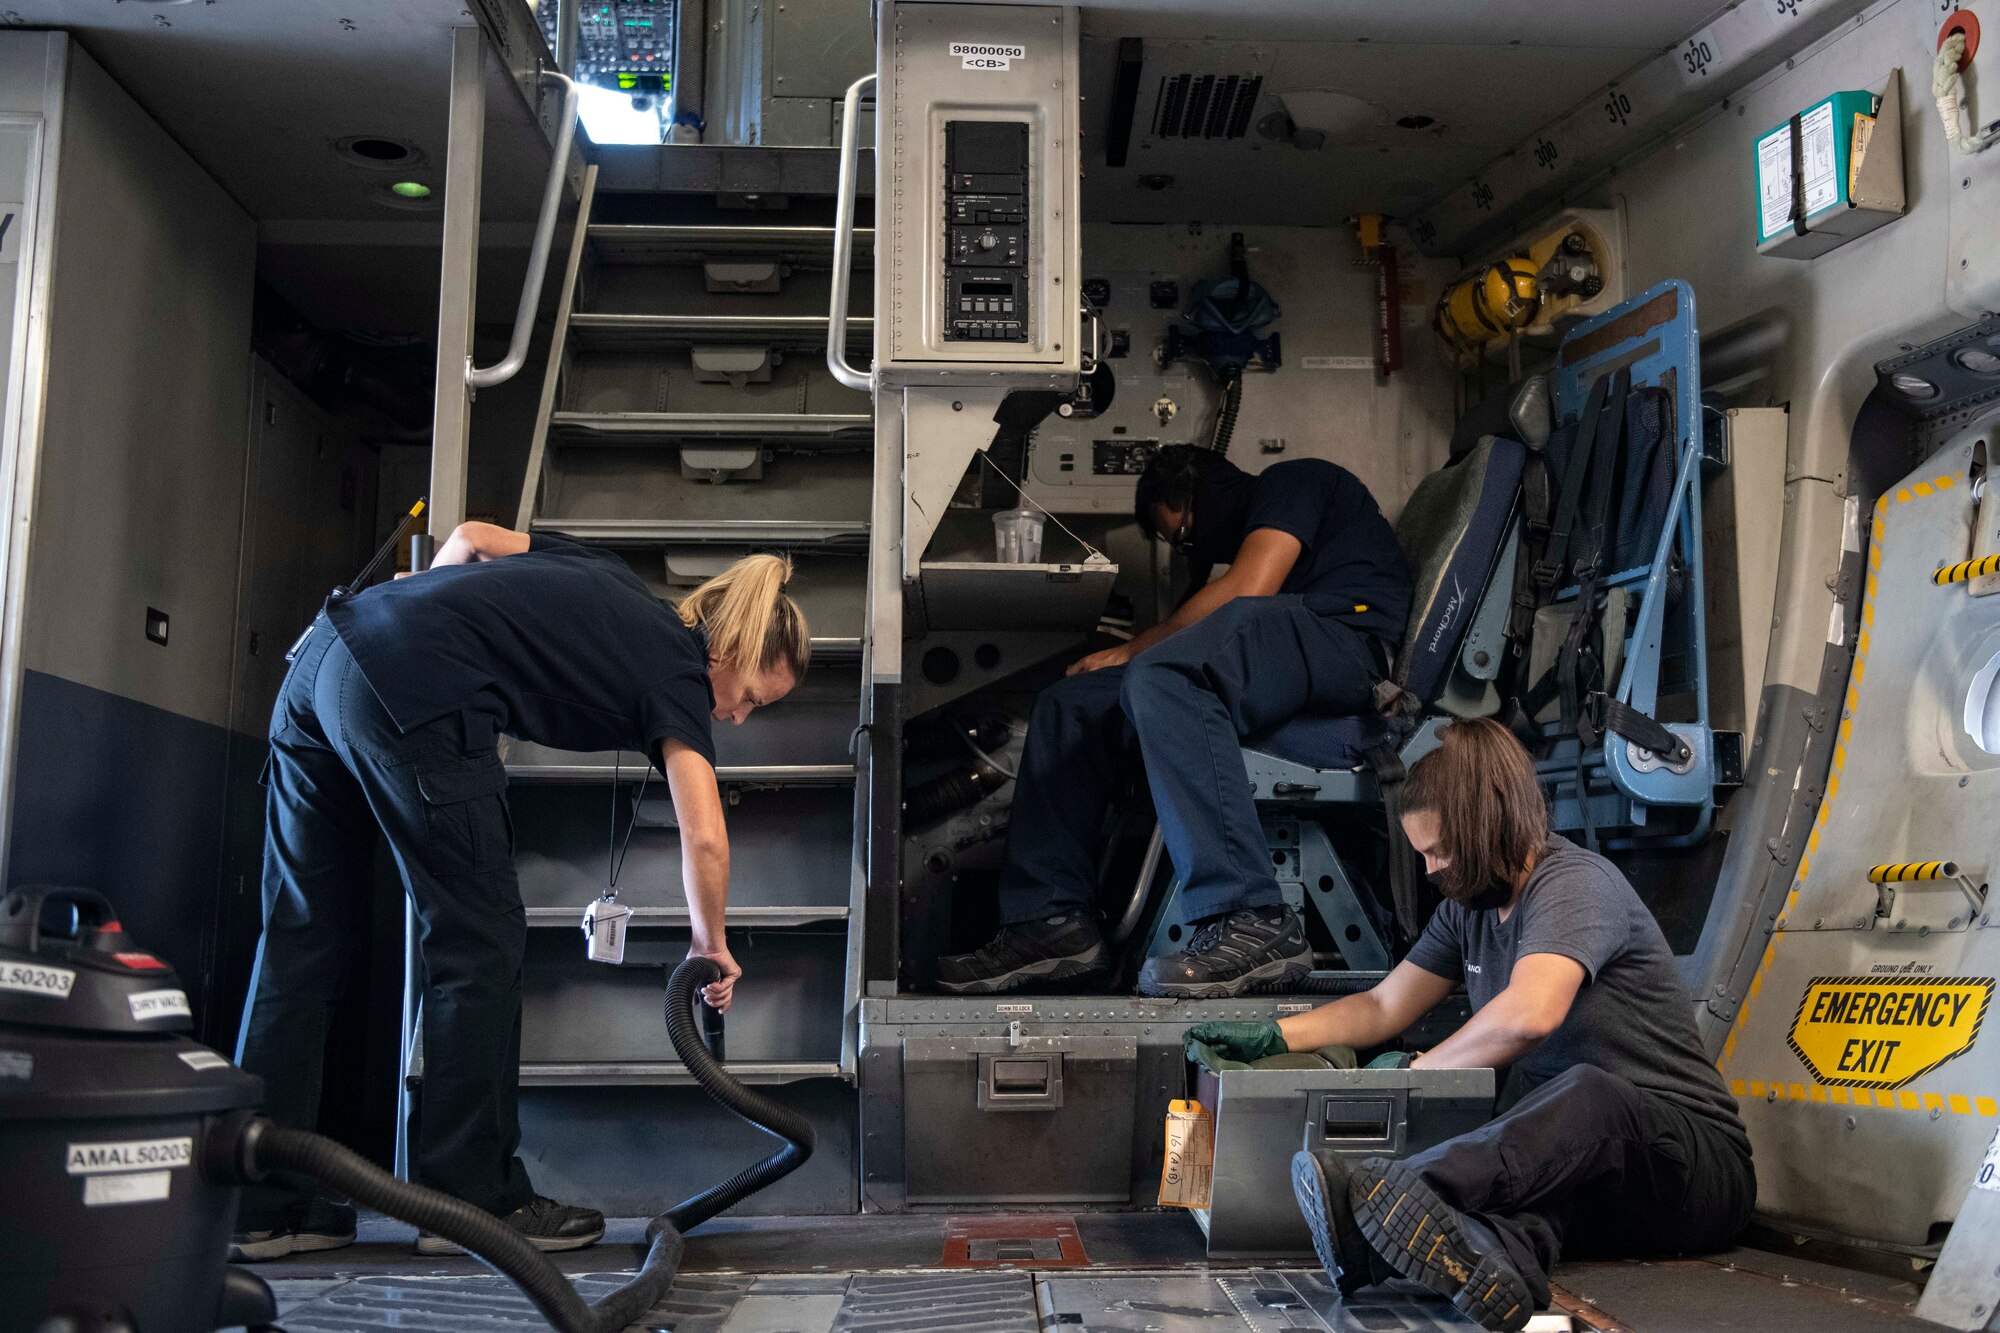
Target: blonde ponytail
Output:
[(751, 624)]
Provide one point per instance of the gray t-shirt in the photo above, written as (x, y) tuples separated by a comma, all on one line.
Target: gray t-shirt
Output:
[(1632, 1017)]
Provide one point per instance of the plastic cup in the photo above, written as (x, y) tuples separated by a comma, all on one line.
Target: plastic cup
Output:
[(1017, 537)]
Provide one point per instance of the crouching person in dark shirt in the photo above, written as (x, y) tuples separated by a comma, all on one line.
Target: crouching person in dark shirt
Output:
[(1616, 1137), (387, 725)]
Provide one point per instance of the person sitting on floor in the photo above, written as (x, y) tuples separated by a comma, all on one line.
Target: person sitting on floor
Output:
[(1616, 1136)]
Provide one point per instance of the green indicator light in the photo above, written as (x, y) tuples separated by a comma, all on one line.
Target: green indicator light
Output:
[(411, 189)]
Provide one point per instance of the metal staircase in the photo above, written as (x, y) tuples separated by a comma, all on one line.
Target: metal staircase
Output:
[(687, 418)]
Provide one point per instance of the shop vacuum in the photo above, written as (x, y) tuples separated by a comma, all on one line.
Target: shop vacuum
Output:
[(123, 1144)]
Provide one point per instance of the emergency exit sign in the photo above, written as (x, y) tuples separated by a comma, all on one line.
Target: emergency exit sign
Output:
[(1884, 1032)]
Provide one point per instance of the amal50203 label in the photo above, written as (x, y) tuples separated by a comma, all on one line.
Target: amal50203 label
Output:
[(1882, 1032)]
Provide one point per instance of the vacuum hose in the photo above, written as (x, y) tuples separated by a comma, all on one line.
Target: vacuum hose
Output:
[(752, 1107), (252, 1146), (267, 1146)]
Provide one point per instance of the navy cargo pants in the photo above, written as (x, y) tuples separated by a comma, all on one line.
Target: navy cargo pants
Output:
[(1586, 1165), (341, 775), (1186, 703)]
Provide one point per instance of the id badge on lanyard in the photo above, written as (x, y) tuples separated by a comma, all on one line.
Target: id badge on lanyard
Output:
[(605, 921)]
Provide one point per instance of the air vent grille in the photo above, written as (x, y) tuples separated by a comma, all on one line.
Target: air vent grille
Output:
[(1205, 106)]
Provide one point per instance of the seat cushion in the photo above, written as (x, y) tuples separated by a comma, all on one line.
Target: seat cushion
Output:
[(1322, 740), (1451, 531)]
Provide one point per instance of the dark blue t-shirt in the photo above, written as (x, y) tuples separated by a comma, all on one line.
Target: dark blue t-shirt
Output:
[(562, 645), (1349, 556)]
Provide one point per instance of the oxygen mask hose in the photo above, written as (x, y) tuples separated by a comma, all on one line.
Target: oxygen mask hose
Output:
[(749, 1105)]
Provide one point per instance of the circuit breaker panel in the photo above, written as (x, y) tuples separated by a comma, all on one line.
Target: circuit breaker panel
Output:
[(986, 223), (976, 193)]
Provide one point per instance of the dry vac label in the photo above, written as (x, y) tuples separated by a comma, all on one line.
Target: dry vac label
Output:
[(53, 982), (1883, 1032), (159, 1004), (89, 1159)]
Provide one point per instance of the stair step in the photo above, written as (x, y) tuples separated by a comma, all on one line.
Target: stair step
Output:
[(608, 427), (768, 775), (676, 531), (625, 1073), (625, 243), (668, 917), (809, 331)]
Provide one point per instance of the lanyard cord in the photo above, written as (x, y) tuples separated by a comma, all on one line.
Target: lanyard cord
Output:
[(614, 858)]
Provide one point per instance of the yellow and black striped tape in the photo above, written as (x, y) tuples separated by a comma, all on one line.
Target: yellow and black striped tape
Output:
[(1906, 872), (1966, 569)]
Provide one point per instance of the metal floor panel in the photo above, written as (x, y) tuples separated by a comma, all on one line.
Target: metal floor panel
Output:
[(1747, 1290), (807, 1303)]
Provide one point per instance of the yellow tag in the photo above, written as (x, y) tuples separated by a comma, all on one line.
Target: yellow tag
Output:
[(1864, 128), (1883, 1032), (1188, 1173)]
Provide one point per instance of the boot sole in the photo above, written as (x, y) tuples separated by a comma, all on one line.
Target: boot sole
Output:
[(1275, 974), (277, 1247), (1418, 1233), (1324, 1205), (438, 1246), (1041, 972)]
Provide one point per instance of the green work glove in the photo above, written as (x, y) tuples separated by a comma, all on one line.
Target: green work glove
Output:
[(1248, 1042), (1392, 1060)]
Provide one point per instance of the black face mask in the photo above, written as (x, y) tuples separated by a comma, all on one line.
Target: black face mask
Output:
[(1489, 899)]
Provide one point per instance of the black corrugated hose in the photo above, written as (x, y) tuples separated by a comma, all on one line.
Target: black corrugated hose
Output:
[(254, 1146), (486, 1237), (752, 1107)]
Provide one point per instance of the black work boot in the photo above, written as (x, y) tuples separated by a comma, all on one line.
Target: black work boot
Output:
[(1427, 1240), (542, 1222), (1056, 948), (320, 1225), (1250, 947), (1320, 1184)]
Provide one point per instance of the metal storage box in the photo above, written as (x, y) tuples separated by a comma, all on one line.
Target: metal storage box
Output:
[(1263, 1116), (1011, 1100), (1015, 1100)]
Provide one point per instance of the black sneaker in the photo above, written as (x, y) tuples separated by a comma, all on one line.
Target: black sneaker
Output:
[(546, 1224), (1427, 1240), (321, 1225), (1056, 948), (1320, 1184), (1252, 946)]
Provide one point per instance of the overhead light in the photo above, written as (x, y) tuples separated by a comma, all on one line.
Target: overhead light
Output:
[(1913, 386), (413, 196)]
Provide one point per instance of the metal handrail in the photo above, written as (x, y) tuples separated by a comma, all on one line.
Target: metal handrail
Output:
[(843, 242), (538, 256)]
